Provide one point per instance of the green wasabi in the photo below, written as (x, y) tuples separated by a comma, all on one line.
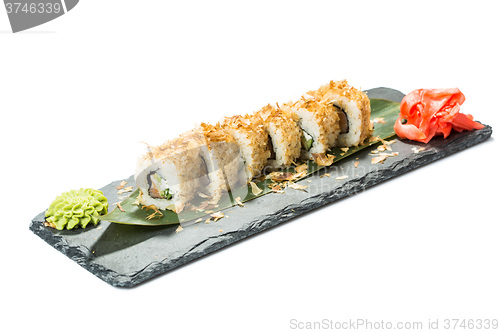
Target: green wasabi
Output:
[(77, 208)]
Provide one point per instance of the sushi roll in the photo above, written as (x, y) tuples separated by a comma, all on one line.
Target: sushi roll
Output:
[(284, 135), (168, 176), (249, 134), (318, 122), (353, 108)]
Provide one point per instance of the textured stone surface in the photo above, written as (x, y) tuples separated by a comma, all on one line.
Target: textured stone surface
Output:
[(125, 256)]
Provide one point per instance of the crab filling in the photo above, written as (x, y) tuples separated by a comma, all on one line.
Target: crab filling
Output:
[(344, 122), (158, 187)]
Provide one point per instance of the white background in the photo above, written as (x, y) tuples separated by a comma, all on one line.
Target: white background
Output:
[(78, 94)]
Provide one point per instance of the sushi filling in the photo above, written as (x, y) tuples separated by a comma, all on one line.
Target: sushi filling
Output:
[(158, 187), (270, 144), (307, 140), (343, 122), (205, 178)]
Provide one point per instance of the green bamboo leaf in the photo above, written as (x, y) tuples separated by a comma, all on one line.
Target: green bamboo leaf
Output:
[(135, 214)]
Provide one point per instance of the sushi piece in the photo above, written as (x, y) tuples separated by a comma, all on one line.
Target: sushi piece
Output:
[(252, 139), (223, 163), (169, 175), (319, 124), (284, 135), (332, 122), (211, 176), (353, 108)]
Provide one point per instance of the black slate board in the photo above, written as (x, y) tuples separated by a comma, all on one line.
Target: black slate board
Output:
[(125, 256)]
